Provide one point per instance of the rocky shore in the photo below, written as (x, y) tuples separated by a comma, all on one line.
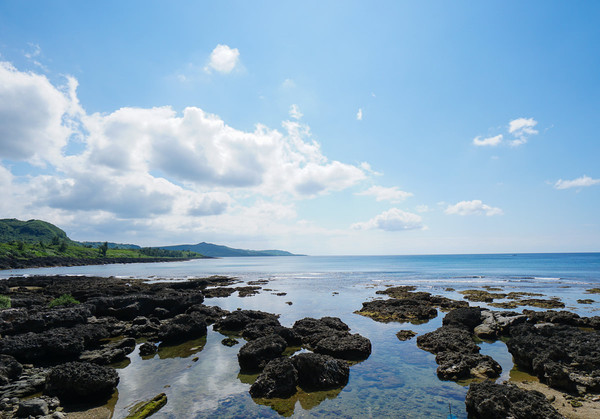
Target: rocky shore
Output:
[(65, 352), (50, 261), (54, 355)]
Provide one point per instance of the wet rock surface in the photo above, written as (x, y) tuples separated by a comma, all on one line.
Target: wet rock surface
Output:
[(563, 356), (406, 305), (81, 381), (320, 372), (255, 354), (489, 400), (278, 379), (457, 354)]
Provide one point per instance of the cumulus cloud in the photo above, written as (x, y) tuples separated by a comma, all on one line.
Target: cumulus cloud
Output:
[(392, 220), (382, 193), (141, 165), (521, 129), (491, 141), (580, 182), (475, 207), (223, 59), (359, 114), (295, 112), (35, 116)]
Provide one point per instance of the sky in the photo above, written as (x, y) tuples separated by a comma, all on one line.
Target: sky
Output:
[(317, 127)]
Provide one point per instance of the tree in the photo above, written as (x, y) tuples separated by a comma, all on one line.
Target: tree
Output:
[(55, 241), (63, 246), (103, 248)]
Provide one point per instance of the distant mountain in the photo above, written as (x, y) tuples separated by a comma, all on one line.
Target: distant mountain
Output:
[(31, 231), (215, 250)]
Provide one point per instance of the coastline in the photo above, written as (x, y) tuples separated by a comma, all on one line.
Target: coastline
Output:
[(408, 363), (57, 261)]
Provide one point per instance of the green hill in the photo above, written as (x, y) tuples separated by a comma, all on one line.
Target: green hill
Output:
[(31, 231), (215, 250)]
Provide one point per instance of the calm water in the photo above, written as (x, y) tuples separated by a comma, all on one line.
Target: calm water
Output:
[(201, 378)]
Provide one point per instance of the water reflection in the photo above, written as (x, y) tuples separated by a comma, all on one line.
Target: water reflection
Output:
[(308, 401)]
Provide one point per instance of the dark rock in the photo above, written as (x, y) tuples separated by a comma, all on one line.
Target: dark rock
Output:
[(81, 381), (264, 328), (182, 327), (239, 319), (147, 349), (312, 331), (351, 347), (458, 366), (481, 296), (54, 344), (247, 291), (465, 317), (23, 320), (211, 313), (10, 369), (112, 352), (405, 335), (446, 338), (218, 292), (395, 310), (489, 400), (229, 342), (565, 357), (130, 306), (32, 407), (457, 354), (278, 379), (255, 354), (320, 372)]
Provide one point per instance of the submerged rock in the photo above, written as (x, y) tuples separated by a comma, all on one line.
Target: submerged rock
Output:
[(394, 310), (405, 335), (489, 400), (147, 408)]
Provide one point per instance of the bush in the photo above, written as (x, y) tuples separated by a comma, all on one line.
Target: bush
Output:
[(64, 300), (4, 301)]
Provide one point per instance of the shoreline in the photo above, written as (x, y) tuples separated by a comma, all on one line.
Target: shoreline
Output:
[(57, 261), (136, 310)]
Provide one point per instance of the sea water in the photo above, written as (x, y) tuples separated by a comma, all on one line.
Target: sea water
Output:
[(201, 378)]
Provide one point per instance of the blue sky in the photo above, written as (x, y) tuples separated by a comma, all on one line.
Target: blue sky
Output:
[(316, 127)]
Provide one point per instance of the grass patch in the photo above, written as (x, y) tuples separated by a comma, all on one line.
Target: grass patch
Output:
[(4, 301), (64, 300)]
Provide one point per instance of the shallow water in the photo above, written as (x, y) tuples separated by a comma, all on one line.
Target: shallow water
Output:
[(201, 378)]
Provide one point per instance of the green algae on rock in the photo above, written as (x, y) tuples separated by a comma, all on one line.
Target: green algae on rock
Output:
[(147, 408)]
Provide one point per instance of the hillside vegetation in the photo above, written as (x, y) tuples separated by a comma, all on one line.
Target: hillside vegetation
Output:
[(36, 239)]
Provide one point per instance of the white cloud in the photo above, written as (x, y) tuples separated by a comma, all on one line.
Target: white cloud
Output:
[(475, 207), (382, 193), (576, 183), (521, 129), (35, 117), (150, 169), (392, 220), (223, 59), (295, 112), (491, 141), (359, 114), (423, 208)]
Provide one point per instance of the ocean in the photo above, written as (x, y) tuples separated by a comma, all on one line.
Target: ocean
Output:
[(201, 378)]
